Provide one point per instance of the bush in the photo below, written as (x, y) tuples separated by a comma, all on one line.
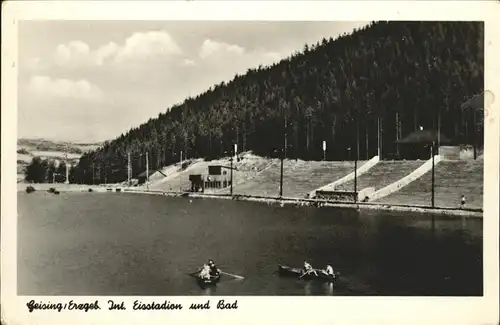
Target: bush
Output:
[(185, 165), (30, 189)]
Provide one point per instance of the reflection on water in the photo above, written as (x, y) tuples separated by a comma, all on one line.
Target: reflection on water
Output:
[(209, 291), (313, 288), (328, 288), (308, 291), (123, 244)]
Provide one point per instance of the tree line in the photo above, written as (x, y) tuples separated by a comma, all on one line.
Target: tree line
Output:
[(387, 79), (46, 171)]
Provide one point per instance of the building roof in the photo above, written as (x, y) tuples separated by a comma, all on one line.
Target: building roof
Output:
[(424, 136), (223, 166), (479, 101), (151, 172)]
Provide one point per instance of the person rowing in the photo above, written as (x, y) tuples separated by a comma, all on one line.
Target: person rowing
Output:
[(214, 271), (308, 269), (328, 271), (205, 272)]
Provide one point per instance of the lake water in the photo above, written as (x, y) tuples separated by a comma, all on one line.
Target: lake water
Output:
[(126, 244)]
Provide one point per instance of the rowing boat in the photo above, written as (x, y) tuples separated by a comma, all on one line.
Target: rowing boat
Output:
[(204, 282), (296, 272)]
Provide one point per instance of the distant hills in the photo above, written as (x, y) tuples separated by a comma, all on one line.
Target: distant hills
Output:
[(388, 78), (27, 149)]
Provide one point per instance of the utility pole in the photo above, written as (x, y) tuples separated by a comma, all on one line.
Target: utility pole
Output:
[(439, 130), (324, 150), (67, 166), (397, 134), (129, 169), (67, 173), (232, 157), (356, 161), (283, 150), (281, 172), (356, 178), (378, 137), (433, 175), (180, 178), (147, 170), (475, 134)]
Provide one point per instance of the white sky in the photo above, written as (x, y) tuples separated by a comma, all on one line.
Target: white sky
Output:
[(88, 81)]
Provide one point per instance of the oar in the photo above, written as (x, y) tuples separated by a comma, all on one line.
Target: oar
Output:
[(308, 272), (233, 275), (194, 273)]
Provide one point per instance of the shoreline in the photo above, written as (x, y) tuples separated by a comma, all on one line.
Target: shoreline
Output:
[(478, 213)]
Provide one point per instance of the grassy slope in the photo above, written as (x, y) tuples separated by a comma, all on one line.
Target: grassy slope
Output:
[(383, 174), (452, 179), (261, 177), (299, 178), (247, 167)]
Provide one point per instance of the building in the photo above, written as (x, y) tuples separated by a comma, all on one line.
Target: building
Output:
[(153, 175), (217, 177), (417, 145)]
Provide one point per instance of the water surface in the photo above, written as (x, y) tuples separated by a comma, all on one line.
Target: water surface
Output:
[(129, 244)]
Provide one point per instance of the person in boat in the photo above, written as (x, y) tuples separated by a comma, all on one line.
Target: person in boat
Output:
[(205, 272), (329, 271), (214, 271), (308, 269)]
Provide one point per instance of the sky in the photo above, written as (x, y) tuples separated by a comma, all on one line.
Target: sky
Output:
[(90, 81)]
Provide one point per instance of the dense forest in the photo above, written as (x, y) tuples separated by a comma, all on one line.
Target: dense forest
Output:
[(388, 76)]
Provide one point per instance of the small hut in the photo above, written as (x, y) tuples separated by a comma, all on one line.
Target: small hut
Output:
[(153, 175), (417, 145)]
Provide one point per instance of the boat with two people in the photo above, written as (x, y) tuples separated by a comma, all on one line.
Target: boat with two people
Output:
[(309, 273), (210, 274)]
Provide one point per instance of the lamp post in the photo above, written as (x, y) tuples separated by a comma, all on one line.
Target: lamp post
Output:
[(281, 172), (356, 161), (129, 169), (67, 166), (324, 150), (233, 153), (432, 185), (356, 177), (147, 171), (180, 178)]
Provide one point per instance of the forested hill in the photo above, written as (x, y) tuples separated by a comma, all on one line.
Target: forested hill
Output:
[(395, 71)]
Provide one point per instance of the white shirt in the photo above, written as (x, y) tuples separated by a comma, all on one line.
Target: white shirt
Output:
[(329, 269)]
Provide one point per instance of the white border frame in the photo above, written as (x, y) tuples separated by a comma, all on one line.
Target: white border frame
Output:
[(292, 310)]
